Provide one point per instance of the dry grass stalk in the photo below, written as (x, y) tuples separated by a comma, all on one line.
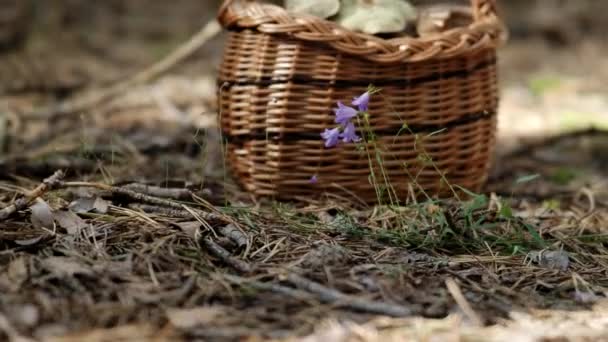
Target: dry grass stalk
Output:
[(460, 299)]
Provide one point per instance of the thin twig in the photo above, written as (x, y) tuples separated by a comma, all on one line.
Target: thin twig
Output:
[(96, 96), (49, 183), (328, 295), (221, 253)]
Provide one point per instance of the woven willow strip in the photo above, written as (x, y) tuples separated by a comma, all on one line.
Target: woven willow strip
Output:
[(485, 32)]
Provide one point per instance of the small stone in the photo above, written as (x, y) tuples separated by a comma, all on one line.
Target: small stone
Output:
[(319, 8), (376, 16), (558, 260)]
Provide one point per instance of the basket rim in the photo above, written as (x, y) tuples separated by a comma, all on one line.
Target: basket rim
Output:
[(486, 31)]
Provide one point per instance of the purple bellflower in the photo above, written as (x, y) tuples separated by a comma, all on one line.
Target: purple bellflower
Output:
[(331, 136), (346, 129), (344, 113), (362, 102), (349, 133)]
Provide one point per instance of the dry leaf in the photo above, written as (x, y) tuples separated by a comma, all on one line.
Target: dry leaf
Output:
[(89, 204), (32, 241), (69, 221), (320, 8), (101, 206), (42, 215), (376, 16), (82, 205), (191, 228)]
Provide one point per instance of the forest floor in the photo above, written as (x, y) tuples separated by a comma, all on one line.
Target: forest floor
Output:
[(143, 239)]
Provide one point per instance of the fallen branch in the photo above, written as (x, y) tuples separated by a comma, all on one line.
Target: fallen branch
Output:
[(261, 286), (222, 254), (139, 197), (96, 96), (162, 211), (157, 191), (329, 295), (234, 234), (309, 291), (48, 184)]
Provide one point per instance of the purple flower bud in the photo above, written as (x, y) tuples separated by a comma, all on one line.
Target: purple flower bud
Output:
[(344, 113), (313, 180), (331, 136), (362, 102), (349, 133)]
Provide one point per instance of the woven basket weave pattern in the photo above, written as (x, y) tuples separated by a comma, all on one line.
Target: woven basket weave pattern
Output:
[(277, 91)]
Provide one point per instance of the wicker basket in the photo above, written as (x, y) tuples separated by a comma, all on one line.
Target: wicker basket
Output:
[(14, 22), (282, 75)]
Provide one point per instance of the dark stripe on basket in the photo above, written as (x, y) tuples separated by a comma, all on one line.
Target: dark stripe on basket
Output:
[(297, 79), (394, 131)]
